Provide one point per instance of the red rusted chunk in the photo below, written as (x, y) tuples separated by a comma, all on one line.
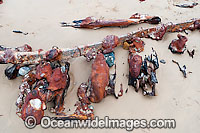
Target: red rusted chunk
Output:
[(58, 80), (195, 26), (33, 106), (135, 63), (9, 56), (109, 43), (30, 78), (53, 54), (1, 1), (81, 93), (43, 70), (99, 78), (137, 45), (24, 48), (178, 45), (83, 111), (157, 33)]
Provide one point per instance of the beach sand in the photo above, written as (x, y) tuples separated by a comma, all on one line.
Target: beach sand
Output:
[(177, 97)]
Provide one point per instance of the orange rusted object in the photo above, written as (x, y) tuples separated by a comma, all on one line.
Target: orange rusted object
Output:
[(53, 54), (99, 79), (51, 81), (135, 63), (109, 43), (178, 45), (93, 23), (157, 33), (57, 80), (33, 106), (137, 45), (44, 70), (81, 93)]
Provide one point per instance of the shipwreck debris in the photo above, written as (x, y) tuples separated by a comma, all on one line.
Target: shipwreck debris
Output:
[(143, 73), (189, 5), (35, 57), (18, 31), (182, 69), (191, 53), (47, 83), (93, 23), (157, 33), (134, 45), (99, 79), (109, 43), (178, 45)]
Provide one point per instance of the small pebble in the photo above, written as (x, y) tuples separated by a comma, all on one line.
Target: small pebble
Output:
[(163, 61), (24, 70)]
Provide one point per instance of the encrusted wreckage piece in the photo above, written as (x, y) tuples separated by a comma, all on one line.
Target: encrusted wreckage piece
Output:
[(100, 84), (48, 82), (178, 45), (143, 73), (25, 58), (93, 23)]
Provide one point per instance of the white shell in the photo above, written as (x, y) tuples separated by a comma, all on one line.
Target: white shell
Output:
[(36, 103)]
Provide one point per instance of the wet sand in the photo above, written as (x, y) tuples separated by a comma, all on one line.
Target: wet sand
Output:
[(177, 97)]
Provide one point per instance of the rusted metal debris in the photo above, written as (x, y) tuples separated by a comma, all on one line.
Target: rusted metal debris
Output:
[(142, 73), (182, 69), (24, 58), (1, 1), (93, 23), (191, 53), (48, 79), (178, 45), (189, 5), (100, 84), (48, 82)]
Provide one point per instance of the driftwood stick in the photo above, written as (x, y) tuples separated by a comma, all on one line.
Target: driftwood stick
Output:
[(25, 58)]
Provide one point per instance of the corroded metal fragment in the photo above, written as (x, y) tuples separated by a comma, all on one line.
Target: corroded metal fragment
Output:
[(93, 23), (178, 45), (109, 43), (99, 78), (36, 57), (33, 106)]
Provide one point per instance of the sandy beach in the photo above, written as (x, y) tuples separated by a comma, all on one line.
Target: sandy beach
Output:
[(177, 97)]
